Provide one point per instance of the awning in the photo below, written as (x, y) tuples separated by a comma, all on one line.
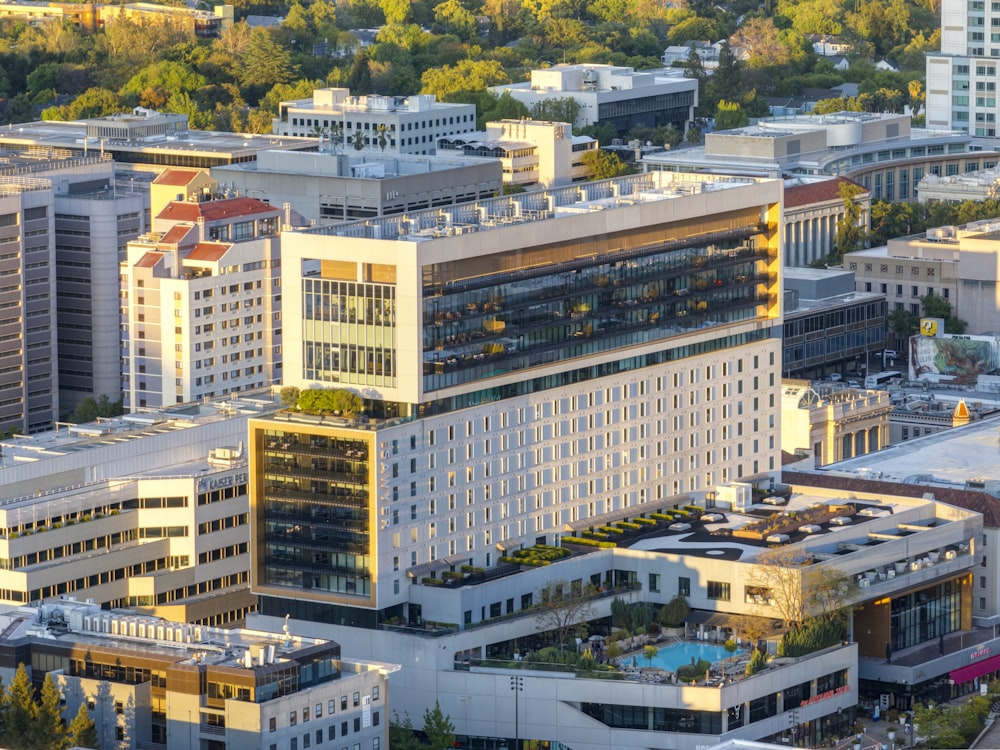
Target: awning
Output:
[(725, 620), (971, 672), (442, 563)]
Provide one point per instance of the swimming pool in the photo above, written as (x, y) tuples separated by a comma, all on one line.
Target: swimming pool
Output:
[(673, 655)]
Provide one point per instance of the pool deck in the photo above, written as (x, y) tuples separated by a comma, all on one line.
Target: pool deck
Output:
[(730, 668)]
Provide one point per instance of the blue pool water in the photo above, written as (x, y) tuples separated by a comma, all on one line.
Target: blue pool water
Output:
[(674, 655)]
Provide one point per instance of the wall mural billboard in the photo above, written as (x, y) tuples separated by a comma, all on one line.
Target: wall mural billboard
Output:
[(955, 360)]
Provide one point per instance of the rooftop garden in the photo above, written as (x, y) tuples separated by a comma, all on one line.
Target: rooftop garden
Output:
[(337, 402)]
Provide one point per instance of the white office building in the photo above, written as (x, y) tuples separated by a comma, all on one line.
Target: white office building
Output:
[(147, 511), (394, 124), (526, 363), (200, 303), (961, 78), (613, 94)]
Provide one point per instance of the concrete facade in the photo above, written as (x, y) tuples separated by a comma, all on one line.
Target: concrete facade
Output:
[(205, 281), (29, 380), (611, 94), (397, 124), (832, 422), (960, 264), (531, 152), (154, 684), (328, 187), (146, 511), (880, 152)]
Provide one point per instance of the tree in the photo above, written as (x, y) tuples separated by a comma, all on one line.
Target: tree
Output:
[(48, 731), (851, 235), (559, 109), (673, 613), (90, 409), (264, 63), (890, 220), (902, 323), (290, 396), (359, 79), (19, 709), (938, 307), (401, 736), (603, 164), (81, 731), (466, 75), (730, 115), (438, 728), (564, 610), (650, 652), (779, 571), (827, 592)]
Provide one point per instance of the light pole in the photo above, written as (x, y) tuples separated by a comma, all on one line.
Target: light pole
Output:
[(517, 686)]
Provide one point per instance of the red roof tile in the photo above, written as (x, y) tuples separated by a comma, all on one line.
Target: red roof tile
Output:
[(208, 251), (176, 177), (215, 210), (815, 192), (176, 234), (149, 260)]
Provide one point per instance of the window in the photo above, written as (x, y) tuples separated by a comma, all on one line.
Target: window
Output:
[(654, 581), (293, 718), (272, 724), (331, 706), (683, 586), (357, 699), (718, 590)]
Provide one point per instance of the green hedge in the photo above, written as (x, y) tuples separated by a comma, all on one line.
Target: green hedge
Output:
[(812, 635), (588, 542), (627, 525), (645, 521)]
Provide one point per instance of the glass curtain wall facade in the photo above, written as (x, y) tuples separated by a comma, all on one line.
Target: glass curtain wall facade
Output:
[(316, 515)]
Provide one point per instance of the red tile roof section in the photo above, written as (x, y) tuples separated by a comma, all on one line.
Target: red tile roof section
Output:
[(176, 235), (229, 208), (176, 177), (149, 260), (209, 251), (980, 502), (816, 192)]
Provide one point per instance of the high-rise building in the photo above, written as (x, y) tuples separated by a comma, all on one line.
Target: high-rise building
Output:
[(525, 363), (961, 77), (200, 303), (29, 382), (96, 213)]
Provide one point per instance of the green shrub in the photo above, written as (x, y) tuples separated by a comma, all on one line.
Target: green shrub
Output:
[(588, 542), (14, 535), (758, 661), (86, 516), (628, 525), (610, 530), (673, 613), (645, 521), (812, 635), (450, 575), (730, 645), (57, 525), (431, 581), (661, 516), (693, 672)]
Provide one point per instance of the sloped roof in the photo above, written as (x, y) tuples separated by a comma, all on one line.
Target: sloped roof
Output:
[(176, 177), (815, 192), (978, 502), (176, 234), (149, 260), (215, 210), (209, 251)]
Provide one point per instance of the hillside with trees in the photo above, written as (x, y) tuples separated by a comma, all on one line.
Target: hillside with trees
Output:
[(454, 49)]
